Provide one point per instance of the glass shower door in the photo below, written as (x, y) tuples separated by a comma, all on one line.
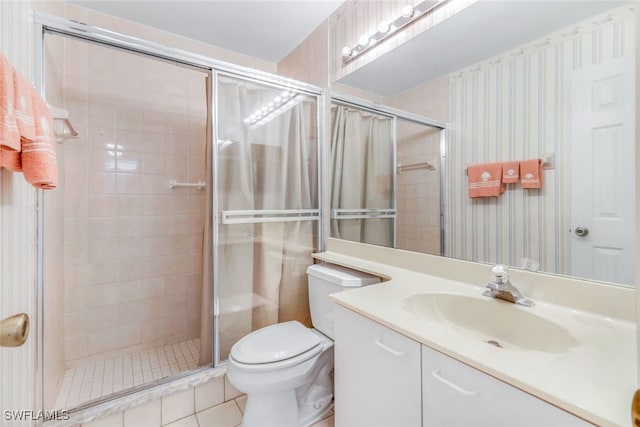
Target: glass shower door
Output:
[(362, 180), (267, 206)]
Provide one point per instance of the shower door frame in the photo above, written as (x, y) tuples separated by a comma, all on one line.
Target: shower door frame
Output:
[(395, 114), (50, 24)]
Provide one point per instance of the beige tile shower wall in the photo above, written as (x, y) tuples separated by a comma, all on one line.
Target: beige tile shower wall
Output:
[(418, 224), (516, 107), (362, 17), (418, 190), (132, 245)]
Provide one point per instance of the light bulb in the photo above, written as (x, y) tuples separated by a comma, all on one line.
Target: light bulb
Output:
[(407, 11), (363, 41), (384, 27), (346, 51), (247, 120)]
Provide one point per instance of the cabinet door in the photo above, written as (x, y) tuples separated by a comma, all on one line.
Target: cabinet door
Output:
[(377, 374), (455, 394)]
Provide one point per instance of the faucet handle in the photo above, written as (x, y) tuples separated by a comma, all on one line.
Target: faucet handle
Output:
[(500, 273)]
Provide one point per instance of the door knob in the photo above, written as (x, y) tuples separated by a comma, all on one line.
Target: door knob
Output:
[(582, 231), (14, 330), (635, 409)]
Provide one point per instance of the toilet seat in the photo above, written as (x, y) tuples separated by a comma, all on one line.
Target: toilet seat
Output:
[(276, 347)]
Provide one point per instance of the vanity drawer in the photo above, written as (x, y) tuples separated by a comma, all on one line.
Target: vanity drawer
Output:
[(377, 380), (455, 394)]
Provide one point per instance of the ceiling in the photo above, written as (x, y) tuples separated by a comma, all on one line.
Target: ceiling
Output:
[(264, 29), (482, 30)]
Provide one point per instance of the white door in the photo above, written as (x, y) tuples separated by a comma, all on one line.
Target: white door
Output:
[(602, 171)]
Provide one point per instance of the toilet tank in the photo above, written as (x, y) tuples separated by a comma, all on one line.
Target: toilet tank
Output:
[(325, 279)]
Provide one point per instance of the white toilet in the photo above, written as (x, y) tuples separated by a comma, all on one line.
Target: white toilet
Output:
[(285, 368)]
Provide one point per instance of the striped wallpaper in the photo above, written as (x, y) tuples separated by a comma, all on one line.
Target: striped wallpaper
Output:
[(516, 106), (17, 233)]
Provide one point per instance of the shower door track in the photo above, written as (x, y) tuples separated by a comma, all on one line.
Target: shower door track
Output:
[(51, 24)]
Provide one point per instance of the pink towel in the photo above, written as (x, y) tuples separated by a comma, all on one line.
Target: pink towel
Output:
[(10, 159), (510, 172), (485, 180), (531, 173), (9, 136), (23, 106), (39, 155)]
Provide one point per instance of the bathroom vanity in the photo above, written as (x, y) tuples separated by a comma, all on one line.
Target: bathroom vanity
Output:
[(427, 387), (429, 349)]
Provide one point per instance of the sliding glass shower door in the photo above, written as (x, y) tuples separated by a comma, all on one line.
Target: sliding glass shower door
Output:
[(362, 177), (266, 205)]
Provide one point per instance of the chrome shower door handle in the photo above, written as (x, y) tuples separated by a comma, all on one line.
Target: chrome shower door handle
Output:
[(14, 330), (582, 231)]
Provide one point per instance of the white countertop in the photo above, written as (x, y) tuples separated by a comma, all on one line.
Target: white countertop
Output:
[(595, 379)]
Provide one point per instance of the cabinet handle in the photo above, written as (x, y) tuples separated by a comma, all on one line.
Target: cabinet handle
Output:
[(389, 349), (443, 380)]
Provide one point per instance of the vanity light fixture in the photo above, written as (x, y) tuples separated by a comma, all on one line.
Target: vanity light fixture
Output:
[(272, 109), (408, 15)]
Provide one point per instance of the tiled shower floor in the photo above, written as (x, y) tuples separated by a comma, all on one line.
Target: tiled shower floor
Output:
[(101, 378)]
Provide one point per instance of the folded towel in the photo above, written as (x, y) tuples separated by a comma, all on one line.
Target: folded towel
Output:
[(39, 155), (510, 172), (23, 106), (485, 180), (10, 159), (9, 135), (531, 173)]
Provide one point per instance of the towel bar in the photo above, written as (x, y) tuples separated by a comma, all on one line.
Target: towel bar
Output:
[(200, 184)]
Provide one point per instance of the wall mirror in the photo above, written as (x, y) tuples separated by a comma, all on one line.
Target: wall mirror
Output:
[(542, 80)]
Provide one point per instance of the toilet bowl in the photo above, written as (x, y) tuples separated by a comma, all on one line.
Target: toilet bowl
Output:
[(285, 369)]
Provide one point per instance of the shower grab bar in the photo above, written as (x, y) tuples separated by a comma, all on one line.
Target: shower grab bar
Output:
[(200, 184), (431, 165), (269, 215), (377, 213)]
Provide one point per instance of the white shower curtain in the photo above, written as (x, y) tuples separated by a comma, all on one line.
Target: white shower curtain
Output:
[(362, 173)]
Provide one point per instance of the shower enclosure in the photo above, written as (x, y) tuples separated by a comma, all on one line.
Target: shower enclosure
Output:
[(186, 215), (386, 176)]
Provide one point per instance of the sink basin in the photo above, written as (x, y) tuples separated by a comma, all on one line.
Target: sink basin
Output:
[(495, 322)]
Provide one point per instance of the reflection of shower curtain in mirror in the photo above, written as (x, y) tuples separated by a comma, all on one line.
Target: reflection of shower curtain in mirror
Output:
[(362, 168), (272, 166)]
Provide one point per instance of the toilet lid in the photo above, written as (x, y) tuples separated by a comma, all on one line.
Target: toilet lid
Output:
[(274, 343)]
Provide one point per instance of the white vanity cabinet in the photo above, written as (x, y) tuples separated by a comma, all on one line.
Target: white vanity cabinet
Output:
[(377, 374), (385, 379), (455, 394)]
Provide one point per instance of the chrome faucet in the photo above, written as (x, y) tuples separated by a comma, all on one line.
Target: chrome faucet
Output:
[(500, 287)]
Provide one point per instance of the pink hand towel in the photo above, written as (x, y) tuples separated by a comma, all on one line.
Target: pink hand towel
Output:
[(485, 180), (10, 159), (9, 136), (510, 172), (39, 155), (23, 106), (531, 173)]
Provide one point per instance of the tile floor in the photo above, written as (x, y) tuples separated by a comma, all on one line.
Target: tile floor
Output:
[(104, 377), (227, 414)]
